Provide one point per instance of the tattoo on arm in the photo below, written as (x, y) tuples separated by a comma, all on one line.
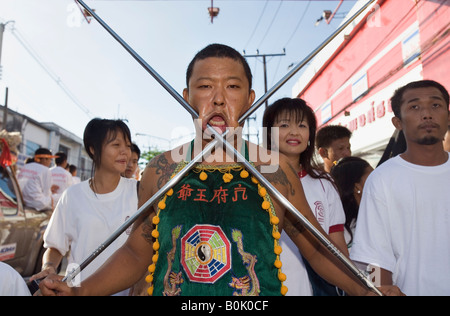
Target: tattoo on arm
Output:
[(293, 229), (278, 177), (162, 168), (147, 228)]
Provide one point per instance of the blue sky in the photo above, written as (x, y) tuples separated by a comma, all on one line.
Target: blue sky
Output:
[(84, 60)]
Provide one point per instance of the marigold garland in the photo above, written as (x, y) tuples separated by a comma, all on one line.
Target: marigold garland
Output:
[(274, 220)]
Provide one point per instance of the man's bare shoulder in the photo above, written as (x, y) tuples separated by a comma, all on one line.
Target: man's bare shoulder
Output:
[(273, 165), (160, 168)]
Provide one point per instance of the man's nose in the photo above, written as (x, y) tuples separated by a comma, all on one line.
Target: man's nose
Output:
[(219, 98), (426, 113)]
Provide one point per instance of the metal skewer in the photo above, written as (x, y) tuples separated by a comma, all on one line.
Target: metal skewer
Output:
[(220, 138)]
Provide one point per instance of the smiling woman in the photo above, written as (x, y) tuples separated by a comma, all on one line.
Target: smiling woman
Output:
[(108, 144), (296, 125), (98, 206)]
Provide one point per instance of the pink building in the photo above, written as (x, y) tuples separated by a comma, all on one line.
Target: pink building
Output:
[(394, 42)]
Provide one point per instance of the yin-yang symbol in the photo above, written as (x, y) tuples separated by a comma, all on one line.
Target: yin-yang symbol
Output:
[(204, 252)]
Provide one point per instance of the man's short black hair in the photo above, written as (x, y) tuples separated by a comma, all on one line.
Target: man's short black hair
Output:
[(42, 151), (328, 134), (60, 158), (220, 51), (397, 98), (135, 149)]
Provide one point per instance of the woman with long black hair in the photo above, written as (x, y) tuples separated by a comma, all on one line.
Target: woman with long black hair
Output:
[(296, 125)]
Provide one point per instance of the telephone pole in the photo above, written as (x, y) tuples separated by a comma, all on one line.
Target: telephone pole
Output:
[(5, 109), (265, 81), (2, 30), (264, 63)]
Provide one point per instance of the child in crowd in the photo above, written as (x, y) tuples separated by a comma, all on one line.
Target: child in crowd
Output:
[(333, 143), (350, 175)]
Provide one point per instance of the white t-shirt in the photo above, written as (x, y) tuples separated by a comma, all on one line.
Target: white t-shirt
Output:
[(63, 179), (76, 180), (12, 284), (326, 205), (35, 180), (404, 225), (83, 220)]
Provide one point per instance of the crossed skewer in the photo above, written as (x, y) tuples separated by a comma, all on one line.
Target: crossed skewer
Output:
[(220, 140)]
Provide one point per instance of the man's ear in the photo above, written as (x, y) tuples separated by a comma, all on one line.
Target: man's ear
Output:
[(186, 94), (251, 98), (323, 152), (397, 122)]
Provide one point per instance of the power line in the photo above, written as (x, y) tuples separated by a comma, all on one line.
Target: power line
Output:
[(298, 24), (21, 39), (276, 72), (271, 23), (257, 24), (265, 68), (290, 38)]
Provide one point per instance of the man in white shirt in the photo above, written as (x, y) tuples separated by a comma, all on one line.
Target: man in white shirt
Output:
[(404, 218), (12, 284), (35, 180), (60, 176), (73, 172)]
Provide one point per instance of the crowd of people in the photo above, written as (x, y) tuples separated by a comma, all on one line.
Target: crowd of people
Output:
[(219, 232), (43, 184), (87, 212)]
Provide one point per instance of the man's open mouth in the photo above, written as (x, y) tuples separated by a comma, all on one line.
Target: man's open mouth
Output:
[(218, 123)]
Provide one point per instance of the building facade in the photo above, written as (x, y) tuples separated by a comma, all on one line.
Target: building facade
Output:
[(48, 135), (392, 43)]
